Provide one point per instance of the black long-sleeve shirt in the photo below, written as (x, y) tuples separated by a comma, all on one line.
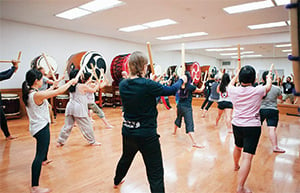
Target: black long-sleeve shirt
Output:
[(6, 75), (139, 105)]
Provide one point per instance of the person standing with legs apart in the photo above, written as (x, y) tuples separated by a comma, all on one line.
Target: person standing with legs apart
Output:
[(77, 110), (224, 103), (39, 118), (207, 91), (246, 124), (4, 76), (139, 130), (185, 110), (269, 112)]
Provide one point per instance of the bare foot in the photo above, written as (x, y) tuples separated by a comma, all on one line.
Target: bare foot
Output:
[(10, 138), (243, 190), (37, 189), (96, 143), (109, 126), (198, 146), (58, 144), (236, 168), (278, 150), (174, 133), (116, 186), (47, 162)]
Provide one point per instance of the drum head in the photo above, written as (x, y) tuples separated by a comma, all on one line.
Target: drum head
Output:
[(119, 64), (89, 59), (178, 70), (40, 61), (196, 72), (157, 70)]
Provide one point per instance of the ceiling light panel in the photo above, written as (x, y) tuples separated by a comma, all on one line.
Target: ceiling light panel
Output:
[(133, 28), (222, 49), (73, 13), (287, 50), (283, 45), (249, 7), (99, 5), (268, 25), (182, 36), (159, 23), (282, 2)]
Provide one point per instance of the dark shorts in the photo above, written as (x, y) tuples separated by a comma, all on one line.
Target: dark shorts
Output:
[(187, 114), (270, 115), (246, 138), (224, 105)]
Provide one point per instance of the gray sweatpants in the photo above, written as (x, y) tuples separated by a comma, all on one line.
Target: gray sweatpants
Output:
[(85, 125)]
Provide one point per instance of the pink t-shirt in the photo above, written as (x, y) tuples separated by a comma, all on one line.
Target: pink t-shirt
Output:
[(246, 104)]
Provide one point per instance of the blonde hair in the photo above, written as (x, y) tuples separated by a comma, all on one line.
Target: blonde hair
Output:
[(137, 61)]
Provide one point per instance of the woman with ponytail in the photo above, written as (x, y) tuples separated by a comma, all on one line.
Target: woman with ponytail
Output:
[(139, 129), (39, 118), (184, 109), (77, 110)]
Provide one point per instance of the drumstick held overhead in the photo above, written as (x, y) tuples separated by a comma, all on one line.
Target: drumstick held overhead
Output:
[(49, 66), (182, 59), (239, 56), (205, 76), (150, 57), (9, 61), (94, 73)]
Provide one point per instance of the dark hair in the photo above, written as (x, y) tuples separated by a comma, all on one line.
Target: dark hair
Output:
[(30, 78), (264, 76), (137, 60), (224, 82), (183, 92), (247, 75), (86, 76), (72, 75)]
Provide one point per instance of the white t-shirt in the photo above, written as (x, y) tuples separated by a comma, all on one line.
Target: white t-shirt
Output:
[(39, 115)]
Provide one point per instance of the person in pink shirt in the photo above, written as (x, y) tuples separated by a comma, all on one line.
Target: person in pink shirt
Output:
[(246, 100)]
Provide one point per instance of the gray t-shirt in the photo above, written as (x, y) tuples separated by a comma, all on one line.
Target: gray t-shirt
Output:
[(270, 101)]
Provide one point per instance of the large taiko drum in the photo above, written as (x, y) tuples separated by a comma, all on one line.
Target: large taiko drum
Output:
[(87, 59), (61, 102), (195, 71), (119, 64), (11, 105), (40, 61)]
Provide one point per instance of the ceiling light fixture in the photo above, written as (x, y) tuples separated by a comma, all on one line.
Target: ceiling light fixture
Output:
[(98, 5), (249, 7), (282, 2), (286, 50), (283, 45), (159, 23), (73, 13), (133, 28), (222, 49), (187, 35), (268, 25)]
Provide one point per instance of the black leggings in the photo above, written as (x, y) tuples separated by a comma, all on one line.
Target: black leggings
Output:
[(208, 105), (3, 123), (151, 152), (42, 146)]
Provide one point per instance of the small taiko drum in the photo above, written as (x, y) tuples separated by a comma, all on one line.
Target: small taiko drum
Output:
[(11, 105), (89, 59), (119, 64), (40, 61), (61, 102)]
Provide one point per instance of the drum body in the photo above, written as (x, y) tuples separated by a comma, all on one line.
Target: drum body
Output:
[(40, 61), (11, 105), (195, 71), (89, 59), (61, 102), (119, 64)]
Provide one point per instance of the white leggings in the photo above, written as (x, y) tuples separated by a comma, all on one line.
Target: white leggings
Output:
[(85, 125)]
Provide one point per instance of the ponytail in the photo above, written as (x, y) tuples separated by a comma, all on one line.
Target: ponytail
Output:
[(31, 76)]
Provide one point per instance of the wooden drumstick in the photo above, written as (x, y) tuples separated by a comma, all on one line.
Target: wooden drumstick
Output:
[(150, 57), (49, 66), (94, 73), (239, 56), (9, 61), (205, 76), (80, 71), (182, 59)]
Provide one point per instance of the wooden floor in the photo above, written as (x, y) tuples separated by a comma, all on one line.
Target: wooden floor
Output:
[(79, 168)]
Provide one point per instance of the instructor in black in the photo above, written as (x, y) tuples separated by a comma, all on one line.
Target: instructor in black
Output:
[(139, 128)]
